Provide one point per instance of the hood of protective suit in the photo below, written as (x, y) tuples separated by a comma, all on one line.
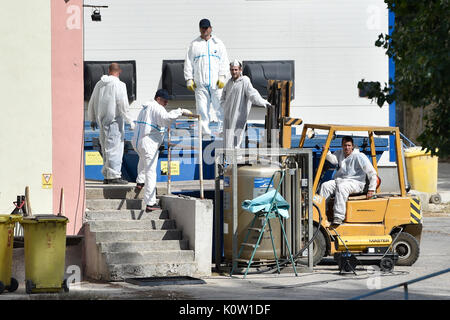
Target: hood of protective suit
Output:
[(105, 79), (238, 79), (109, 101), (149, 102)]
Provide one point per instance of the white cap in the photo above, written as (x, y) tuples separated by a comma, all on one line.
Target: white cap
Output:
[(236, 63)]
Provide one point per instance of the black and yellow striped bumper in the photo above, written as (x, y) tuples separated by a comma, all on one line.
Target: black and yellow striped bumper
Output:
[(416, 212), (292, 121)]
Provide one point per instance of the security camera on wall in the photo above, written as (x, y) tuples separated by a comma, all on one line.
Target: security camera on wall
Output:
[(96, 16)]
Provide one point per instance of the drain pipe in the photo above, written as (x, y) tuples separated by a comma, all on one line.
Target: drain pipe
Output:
[(200, 155), (405, 172)]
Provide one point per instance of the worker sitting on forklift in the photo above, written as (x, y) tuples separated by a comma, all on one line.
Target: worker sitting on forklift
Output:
[(349, 178)]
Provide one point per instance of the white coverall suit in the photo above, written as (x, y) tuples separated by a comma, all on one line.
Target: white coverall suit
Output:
[(237, 98), (108, 107), (148, 136), (205, 61), (349, 178)]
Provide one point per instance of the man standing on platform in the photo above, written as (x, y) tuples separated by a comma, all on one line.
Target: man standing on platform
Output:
[(237, 99), (205, 69), (108, 110)]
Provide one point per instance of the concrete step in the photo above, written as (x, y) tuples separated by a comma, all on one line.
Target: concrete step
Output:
[(126, 214), (122, 225), (114, 204), (114, 192), (119, 272), (144, 257), (133, 246), (137, 235), (98, 190)]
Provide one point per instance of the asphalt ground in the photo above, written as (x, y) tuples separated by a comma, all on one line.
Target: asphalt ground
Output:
[(278, 293), (325, 282)]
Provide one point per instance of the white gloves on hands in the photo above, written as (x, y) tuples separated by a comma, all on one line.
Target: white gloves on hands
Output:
[(132, 125)]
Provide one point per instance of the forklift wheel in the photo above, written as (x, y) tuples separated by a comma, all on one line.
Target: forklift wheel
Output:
[(386, 264), (13, 285), (65, 285), (436, 198), (407, 248), (319, 249), (28, 286)]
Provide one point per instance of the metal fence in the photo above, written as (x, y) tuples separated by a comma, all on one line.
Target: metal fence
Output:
[(403, 284)]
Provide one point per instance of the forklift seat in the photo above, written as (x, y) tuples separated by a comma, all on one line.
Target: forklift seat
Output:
[(365, 190)]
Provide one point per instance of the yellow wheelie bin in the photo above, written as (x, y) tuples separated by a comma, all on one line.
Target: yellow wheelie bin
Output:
[(45, 253), (422, 170), (7, 223)]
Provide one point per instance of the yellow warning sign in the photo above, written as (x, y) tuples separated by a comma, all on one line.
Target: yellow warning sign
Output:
[(93, 158), (174, 168), (47, 181)]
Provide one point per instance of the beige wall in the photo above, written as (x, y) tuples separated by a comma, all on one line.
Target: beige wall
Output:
[(26, 108)]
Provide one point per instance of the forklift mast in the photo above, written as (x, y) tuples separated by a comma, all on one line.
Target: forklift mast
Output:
[(278, 114)]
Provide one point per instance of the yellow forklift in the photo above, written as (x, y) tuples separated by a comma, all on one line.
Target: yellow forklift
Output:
[(387, 226)]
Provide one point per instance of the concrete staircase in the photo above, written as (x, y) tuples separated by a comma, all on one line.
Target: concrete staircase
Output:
[(123, 241)]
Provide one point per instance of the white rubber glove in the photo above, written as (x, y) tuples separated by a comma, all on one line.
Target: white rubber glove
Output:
[(268, 104), (221, 82), (186, 112), (132, 125), (190, 84)]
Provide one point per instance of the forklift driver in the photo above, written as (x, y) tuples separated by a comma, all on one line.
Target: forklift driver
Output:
[(350, 177)]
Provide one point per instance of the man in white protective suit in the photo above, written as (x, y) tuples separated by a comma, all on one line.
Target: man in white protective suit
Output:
[(108, 109), (237, 98), (350, 177), (205, 70), (147, 138)]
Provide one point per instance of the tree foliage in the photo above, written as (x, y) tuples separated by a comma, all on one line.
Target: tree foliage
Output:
[(418, 44)]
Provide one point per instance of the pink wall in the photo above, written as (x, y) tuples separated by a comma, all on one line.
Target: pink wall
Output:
[(67, 109)]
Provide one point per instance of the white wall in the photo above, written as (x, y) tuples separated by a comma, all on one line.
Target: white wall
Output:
[(332, 43), (26, 118)]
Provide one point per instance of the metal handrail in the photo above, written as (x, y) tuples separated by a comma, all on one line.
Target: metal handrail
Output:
[(200, 156), (411, 144), (403, 284)]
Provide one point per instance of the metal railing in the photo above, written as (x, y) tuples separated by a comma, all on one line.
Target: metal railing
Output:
[(403, 284), (260, 155), (404, 138), (200, 156)]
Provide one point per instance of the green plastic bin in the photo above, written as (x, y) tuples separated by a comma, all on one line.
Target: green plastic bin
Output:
[(7, 223), (45, 253)]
